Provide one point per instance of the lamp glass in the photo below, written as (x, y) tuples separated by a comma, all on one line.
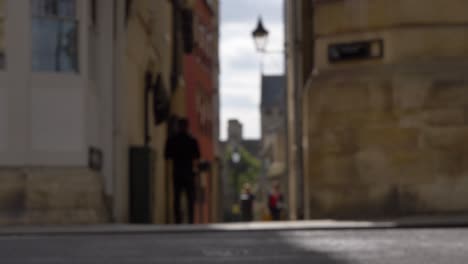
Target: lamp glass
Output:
[(261, 42), (236, 157)]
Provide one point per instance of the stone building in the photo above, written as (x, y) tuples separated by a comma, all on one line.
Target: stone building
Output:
[(201, 72), (152, 42), (235, 143), (383, 89), (273, 133), (49, 115), (87, 92)]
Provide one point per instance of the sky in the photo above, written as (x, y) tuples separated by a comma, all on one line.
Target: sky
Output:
[(240, 63)]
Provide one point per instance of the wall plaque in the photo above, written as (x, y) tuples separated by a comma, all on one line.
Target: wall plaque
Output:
[(355, 51)]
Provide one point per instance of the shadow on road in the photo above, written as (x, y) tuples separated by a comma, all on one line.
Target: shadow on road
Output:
[(208, 247)]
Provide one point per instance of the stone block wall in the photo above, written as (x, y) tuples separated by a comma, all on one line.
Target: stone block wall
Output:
[(388, 143), (46, 196), (388, 136), (337, 17)]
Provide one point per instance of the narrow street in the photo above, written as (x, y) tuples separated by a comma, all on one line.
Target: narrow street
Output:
[(374, 246)]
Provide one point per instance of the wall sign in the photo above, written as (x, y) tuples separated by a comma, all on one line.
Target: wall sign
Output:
[(95, 159), (362, 50)]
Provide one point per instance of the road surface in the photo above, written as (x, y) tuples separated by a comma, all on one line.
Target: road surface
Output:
[(428, 246)]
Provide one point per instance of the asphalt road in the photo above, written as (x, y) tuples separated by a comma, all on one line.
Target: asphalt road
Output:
[(400, 246)]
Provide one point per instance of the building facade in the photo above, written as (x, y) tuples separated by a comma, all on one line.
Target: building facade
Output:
[(273, 135), (299, 54), (46, 123), (152, 46), (87, 92), (200, 71), (384, 101)]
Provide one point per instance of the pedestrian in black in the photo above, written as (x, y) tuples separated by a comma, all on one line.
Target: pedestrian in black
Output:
[(184, 152), (247, 203)]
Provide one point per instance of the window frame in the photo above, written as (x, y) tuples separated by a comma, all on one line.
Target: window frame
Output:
[(72, 19)]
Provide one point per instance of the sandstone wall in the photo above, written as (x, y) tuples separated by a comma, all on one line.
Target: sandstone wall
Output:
[(388, 143), (344, 16), (149, 47), (388, 136), (38, 196)]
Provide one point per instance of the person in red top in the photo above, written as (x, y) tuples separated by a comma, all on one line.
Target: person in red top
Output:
[(275, 202)]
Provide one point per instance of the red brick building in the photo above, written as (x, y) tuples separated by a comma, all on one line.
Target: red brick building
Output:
[(201, 79)]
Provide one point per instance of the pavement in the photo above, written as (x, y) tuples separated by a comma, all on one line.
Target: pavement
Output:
[(447, 221)]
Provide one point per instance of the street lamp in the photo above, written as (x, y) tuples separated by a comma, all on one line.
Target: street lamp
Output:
[(235, 157), (235, 160), (260, 35)]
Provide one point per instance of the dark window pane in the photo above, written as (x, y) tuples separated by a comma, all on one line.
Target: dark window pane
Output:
[(44, 8), (58, 8), (2, 34), (2, 43), (54, 33), (66, 8), (54, 45)]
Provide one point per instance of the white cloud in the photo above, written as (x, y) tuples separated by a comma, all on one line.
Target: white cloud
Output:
[(240, 63), (249, 118), (245, 10)]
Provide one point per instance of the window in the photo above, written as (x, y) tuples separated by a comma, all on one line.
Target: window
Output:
[(2, 33), (128, 9), (92, 40), (54, 36), (93, 18), (211, 4)]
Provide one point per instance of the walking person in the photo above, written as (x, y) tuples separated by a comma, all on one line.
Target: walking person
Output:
[(246, 201), (184, 152), (275, 202)]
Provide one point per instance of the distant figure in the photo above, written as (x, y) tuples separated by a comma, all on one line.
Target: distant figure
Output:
[(246, 203), (275, 202), (183, 150)]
